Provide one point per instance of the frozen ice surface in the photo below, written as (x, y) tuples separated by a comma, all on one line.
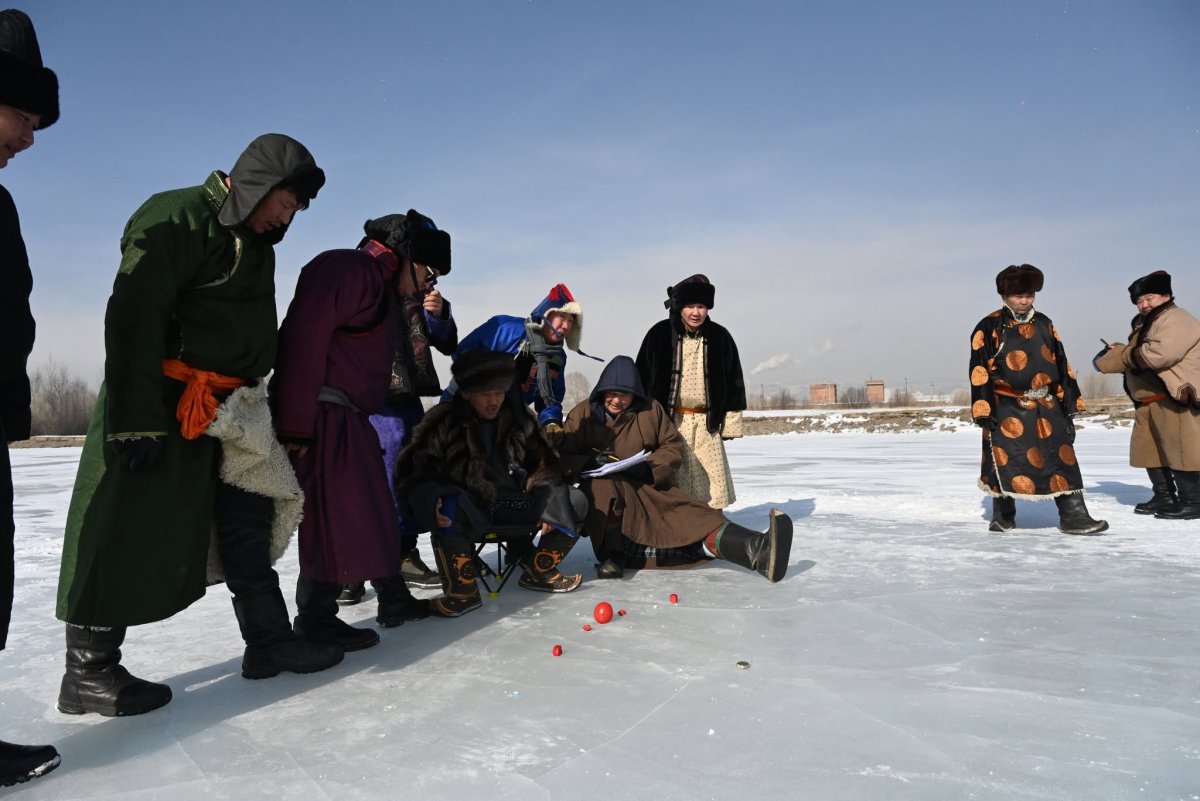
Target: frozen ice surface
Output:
[(908, 655)]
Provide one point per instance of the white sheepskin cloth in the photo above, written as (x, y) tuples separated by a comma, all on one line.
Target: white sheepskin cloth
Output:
[(254, 460)]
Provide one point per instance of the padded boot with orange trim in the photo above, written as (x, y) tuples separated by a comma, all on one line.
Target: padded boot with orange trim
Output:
[(456, 562), (541, 568)]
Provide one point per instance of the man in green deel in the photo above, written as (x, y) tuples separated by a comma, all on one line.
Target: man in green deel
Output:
[(189, 332)]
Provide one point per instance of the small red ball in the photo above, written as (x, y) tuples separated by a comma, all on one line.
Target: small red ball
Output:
[(603, 612), (557, 650), (674, 598), (621, 612), (587, 626)]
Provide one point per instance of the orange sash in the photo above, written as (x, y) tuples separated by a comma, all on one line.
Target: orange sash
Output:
[(198, 406)]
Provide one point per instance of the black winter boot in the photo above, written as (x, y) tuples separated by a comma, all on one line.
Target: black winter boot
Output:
[(396, 602), (20, 763), (418, 574), (1073, 517), (456, 561), (541, 568), (765, 553), (352, 593), (1162, 481), (317, 620), (95, 681), (271, 645), (1188, 484), (1004, 514), (613, 567)]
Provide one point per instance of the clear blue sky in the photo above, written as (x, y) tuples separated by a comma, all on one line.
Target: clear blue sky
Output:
[(850, 175)]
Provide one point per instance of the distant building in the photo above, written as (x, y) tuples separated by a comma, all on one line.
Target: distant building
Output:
[(875, 393), (822, 394)]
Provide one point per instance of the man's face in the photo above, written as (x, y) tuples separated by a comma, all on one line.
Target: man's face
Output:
[(617, 402), (693, 315), (275, 211), (556, 326), (1151, 301), (1020, 304), (486, 404), (16, 131)]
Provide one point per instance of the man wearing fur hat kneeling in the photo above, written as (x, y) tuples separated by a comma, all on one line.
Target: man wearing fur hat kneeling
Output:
[(481, 460), (1024, 396)]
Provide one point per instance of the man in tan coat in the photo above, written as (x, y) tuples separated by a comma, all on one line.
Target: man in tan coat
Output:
[(640, 503), (1161, 364)]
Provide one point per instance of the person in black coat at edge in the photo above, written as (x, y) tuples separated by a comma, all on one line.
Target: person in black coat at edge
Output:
[(28, 103)]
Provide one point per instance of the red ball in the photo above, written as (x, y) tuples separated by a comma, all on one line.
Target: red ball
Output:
[(557, 650), (621, 612), (587, 626), (603, 612), (674, 598)]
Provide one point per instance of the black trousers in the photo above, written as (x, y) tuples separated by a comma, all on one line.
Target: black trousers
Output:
[(243, 521)]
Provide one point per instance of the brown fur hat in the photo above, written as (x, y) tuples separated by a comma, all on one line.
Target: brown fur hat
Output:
[(1019, 279), (481, 370)]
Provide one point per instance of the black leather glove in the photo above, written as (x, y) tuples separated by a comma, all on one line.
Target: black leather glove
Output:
[(599, 459), (987, 423), (140, 453), (640, 473), (1069, 426)]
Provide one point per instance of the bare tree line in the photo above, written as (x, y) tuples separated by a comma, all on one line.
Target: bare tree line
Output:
[(62, 403)]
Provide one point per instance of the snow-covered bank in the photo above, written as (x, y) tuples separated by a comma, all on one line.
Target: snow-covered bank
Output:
[(907, 655)]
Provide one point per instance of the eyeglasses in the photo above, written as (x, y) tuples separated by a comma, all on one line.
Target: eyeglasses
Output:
[(431, 275)]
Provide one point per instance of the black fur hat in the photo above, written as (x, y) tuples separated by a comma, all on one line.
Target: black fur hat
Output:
[(693, 289), (482, 370), (24, 82), (1019, 280), (1156, 283), (413, 235)]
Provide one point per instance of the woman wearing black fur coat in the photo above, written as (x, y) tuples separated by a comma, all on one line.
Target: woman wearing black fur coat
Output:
[(690, 365)]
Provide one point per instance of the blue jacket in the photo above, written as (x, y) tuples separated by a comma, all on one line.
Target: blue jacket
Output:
[(506, 334)]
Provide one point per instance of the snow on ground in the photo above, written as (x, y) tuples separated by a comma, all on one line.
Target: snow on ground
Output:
[(908, 655)]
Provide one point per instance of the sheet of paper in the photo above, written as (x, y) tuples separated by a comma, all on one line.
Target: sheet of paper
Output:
[(618, 466)]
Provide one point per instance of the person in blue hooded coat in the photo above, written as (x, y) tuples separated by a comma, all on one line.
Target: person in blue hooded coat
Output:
[(539, 343), (641, 503)]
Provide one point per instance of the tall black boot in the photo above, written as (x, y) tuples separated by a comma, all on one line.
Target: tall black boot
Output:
[(541, 568), (1073, 517), (1004, 514), (271, 645), (1188, 484), (95, 681), (20, 763), (1162, 481), (456, 562), (317, 620), (396, 602), (765, 553)]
